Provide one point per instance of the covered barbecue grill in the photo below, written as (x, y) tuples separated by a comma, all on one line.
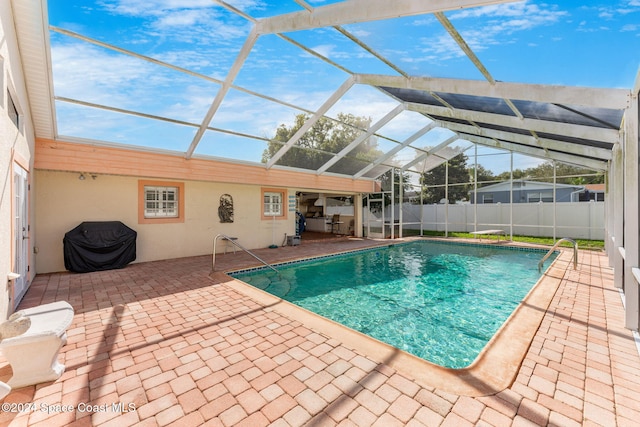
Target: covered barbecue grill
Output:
[(96, 246)]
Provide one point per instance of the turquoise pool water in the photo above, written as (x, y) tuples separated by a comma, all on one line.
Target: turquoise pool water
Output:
[(439, 301)]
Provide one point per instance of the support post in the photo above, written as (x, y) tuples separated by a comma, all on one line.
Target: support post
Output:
[(393, 204), (618, 206), (446, 199), (511, 199), (631, 215), (555, 196), (401, 203), (475, 188)]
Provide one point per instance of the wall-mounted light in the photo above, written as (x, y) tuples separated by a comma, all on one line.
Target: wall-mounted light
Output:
[(82, 177)]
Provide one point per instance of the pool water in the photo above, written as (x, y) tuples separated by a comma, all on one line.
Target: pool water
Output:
[(439, 301)]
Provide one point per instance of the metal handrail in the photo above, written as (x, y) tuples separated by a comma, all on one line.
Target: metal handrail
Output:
[(575, 253), (229, 239)]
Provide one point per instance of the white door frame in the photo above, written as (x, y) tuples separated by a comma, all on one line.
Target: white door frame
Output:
[(20, 233)]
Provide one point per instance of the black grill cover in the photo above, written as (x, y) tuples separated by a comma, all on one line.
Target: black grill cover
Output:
[(95, 246)]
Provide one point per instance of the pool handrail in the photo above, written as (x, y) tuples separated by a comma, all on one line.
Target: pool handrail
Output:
[(233, 242), (553, 248)]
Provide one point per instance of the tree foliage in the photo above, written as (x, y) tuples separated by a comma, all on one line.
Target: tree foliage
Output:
[(325, 139), (432, 181), (385, 183), (566, 174)]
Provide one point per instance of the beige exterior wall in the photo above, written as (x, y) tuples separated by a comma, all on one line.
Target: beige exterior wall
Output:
[(16, 148), (64, 201)]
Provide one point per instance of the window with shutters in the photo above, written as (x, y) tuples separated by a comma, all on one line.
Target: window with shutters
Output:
[(160, 202), (273, 203)]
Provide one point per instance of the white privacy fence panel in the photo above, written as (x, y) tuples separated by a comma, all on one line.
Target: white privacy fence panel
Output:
[(579, 220)]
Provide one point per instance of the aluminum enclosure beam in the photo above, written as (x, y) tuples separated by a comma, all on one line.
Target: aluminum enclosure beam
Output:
[(353, 11), (617, 99), (312, 120), (543, 143), (611, 136), (431, 152), (359, 140), (395, 150), (226, 85), (538, 152)]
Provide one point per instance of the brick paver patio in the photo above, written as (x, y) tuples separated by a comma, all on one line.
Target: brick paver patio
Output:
[(176, 346)]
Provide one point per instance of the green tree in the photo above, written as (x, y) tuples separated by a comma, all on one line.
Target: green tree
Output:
[(433, 181), (385, 183), (517, 174), (325, 139), (484, 174), (565, 174)]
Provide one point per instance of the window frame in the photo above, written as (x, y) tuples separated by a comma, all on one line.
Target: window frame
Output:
[(487, 198), (544, 196), (283, 203), (12, 110), (142, 192)]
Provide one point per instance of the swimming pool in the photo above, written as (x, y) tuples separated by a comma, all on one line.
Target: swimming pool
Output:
[(439, 301)]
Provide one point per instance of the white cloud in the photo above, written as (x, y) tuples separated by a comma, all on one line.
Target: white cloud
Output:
[(404, 125), (265, 116), (364, 101), (324, 50), (85, 72), (442, 48), (91, 74), (510, 18), (585, 27), (181, 18), (424, 21), (361, 33), (499, 22), (191, 21), (523, 9), (143, 8), (247, 4)]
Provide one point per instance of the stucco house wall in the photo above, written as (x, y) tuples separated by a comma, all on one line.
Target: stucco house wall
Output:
[(64, 201), (16, 151)]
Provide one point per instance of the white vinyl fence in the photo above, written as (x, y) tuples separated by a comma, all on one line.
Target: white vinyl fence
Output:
[(578, 220)]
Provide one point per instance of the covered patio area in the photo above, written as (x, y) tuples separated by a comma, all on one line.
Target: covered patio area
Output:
[(169, 343)]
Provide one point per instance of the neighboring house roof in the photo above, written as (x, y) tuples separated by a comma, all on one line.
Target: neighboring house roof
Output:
[(521, 184)]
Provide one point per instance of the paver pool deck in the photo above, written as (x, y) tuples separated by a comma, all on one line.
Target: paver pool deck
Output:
[(177, 345)]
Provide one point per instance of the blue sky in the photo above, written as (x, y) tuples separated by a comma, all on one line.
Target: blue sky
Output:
[(593, 43)]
